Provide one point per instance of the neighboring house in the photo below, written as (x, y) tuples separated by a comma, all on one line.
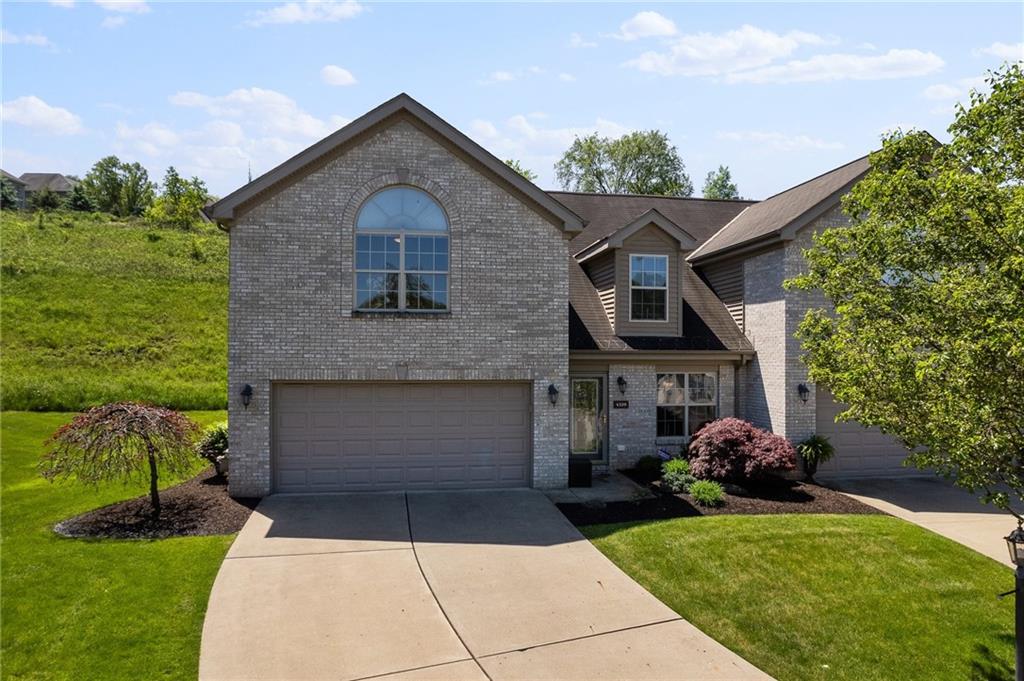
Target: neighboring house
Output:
[(55, 182), (407, 312), (17, 185)]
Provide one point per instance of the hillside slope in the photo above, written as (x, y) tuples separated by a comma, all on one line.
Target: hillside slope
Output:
[(96, 310)]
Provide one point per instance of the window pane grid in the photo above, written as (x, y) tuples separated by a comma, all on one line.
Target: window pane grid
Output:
[(648, 282), (685, 402)]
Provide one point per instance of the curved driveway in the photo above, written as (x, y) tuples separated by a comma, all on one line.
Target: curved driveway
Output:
[(438, 585)]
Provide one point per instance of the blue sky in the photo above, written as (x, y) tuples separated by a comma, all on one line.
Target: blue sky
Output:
[(778, 92)]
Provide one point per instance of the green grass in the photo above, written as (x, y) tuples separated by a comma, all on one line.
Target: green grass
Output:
[(97, 310), (827, 597), (99, 609)]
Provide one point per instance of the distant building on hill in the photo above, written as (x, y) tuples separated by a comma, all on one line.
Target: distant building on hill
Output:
[(55, 182)]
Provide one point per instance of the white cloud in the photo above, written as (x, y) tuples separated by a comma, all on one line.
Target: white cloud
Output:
[(267, 112), (833, 67), (716, 54), (124, 6), (66, 4), (308, 12), (951, 93), (149, 139), (35, 39), (482, 129), (33, 112), (777, 141), (335, 75), (1004, 51), (577, 41), (566, 77), (646, 25), (500, 77), (113, 22), (941, 91), (867, 47)]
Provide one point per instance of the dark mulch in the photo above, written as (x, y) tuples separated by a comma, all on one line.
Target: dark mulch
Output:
[(778, 496), (199, 506)]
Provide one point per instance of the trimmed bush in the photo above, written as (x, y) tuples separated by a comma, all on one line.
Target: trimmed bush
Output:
[(707, 493), (732, 450), (815, 450), (214, 444), (648, 466), (675, 473)]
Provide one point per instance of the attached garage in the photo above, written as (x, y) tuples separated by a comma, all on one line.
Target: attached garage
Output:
[(860, 451), (342, 437)]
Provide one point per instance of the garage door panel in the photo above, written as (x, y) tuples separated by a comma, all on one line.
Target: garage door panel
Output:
[(859, 451), (339, 437)]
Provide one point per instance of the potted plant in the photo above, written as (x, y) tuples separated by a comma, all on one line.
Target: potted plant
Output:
[(814, 450)]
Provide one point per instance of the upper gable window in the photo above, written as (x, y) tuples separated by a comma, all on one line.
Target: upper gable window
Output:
[(401, 252), (648, 288)]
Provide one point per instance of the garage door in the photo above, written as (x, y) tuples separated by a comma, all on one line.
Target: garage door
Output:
[(860, 451), (340, 437)]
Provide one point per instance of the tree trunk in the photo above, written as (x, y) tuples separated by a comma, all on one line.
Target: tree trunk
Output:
[(154, 494)]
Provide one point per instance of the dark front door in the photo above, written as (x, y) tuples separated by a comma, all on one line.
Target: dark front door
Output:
[(586, 436)]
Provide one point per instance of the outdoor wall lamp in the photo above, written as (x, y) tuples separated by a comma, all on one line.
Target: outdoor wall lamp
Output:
[(622, 384), (1015, 542), (553, 394), (804, 392), (246, 395)]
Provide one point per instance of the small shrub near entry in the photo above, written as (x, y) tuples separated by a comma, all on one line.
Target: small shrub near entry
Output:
[(707, 493), (648, 466), (732, 450), (676, 475)]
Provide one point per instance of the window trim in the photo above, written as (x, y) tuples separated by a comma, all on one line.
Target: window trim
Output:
[(401, 271), (716, 403), (648, 288)]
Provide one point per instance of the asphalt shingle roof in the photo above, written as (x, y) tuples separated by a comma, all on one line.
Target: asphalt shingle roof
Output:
[(52, 181)]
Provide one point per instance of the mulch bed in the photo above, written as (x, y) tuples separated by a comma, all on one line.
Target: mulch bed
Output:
[(200, 506), (778, 496)]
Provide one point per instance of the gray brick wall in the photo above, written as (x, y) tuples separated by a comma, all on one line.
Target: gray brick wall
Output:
[(290, 308), (633, 429)]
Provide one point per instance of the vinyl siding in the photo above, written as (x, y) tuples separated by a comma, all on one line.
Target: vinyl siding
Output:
[(601, 271), (726, 280), (648, 241)]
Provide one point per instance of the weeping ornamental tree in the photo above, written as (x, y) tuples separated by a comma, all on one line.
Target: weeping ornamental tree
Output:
[(121, 441), (925, 335)]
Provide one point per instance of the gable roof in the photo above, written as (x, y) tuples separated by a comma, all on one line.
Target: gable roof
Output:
[(652, 217), (53, 181), (608, 213), (786, 211), (224, 211), (11, 178)]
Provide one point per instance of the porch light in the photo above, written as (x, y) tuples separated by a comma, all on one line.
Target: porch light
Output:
[(622, 384), (1015, 542), (804, 392), (553, 394), (246, 395)]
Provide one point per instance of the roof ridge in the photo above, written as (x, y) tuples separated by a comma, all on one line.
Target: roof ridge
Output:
[(817, 177), (650, 196)]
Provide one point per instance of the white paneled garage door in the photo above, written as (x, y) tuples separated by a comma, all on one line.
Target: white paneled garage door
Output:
[(341, 437), (860, 451)]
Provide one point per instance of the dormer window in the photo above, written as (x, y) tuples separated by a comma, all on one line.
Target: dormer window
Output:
[(401, 252), (648, 288)]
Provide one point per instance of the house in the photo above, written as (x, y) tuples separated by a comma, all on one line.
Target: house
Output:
[(17, 185), (407, 312), (55, 182)]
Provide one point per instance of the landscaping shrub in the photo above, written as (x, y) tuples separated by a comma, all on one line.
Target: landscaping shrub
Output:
[(732, 450), (648, 466), (214, 444), (675, 473), (814, 450), (707, 493)]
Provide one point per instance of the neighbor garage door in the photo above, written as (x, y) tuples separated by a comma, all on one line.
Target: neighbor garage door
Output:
[(339, 437), (860, 451)]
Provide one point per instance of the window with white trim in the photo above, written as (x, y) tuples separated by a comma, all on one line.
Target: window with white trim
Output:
[(401, 252), (648, 288), (686, 402)]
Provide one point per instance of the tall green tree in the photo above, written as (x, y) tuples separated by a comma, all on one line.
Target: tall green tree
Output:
[(924, 335), (719, 185), (515, 165), (642, 162), (180, 200), (45, 199), (137, 192), (102, 184), (79, 199)]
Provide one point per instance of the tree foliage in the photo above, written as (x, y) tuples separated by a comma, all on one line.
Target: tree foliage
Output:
[(118, 187), (924, 335), (719, 185), (8, 194), (121, 441), (79, 200), (515, 165), (180, 201), (642, 162), (45, 199)]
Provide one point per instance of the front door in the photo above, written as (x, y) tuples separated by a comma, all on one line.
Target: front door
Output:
[(586, 437)]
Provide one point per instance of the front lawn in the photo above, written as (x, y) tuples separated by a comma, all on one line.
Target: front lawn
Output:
[(827, 596), (93, 609)]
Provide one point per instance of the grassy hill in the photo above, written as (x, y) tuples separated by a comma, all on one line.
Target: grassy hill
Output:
[(95, 310)]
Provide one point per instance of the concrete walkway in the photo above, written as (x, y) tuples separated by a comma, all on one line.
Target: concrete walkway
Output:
[(460, 585), (937, 505)]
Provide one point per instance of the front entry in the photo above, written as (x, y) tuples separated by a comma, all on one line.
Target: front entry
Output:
[(587, 419)]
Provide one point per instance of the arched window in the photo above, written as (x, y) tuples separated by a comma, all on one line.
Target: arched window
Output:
[(401, 252)]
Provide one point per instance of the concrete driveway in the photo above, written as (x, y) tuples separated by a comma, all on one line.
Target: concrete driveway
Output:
[(459, 585), (940, 507)]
